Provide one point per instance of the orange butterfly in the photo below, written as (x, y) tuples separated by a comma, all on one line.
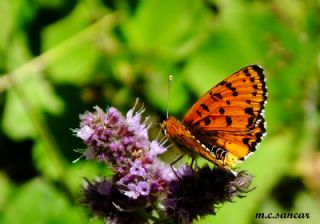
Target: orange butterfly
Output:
[(226, 123)]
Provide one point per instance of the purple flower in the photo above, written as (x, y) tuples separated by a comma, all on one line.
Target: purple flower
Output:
[(85, 133), (123, 142), (156, 149), (106, 201), (111, 136), (132, 191), (143, 188), (137, 169), (198, 192)]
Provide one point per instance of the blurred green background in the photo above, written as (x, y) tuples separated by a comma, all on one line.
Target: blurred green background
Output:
[(59, 58)]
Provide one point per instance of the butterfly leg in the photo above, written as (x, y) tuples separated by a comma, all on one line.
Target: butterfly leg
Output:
[(177, 160), (192, 162), (174, 162), (194, 165)]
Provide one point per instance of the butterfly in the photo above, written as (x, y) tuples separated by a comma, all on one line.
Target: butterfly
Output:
[(227, 123)]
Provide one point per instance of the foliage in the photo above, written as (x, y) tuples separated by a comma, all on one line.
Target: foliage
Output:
[(60, 58)]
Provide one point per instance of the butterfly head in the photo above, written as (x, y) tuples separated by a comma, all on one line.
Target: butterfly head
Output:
[(174, 129), (164, 127), (168, 125)]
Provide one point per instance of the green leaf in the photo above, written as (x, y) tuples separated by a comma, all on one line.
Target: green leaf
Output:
[(5, 190), (75, 64), (306, 202), (71, 25), (7, 10), (38, 202), (85, 169), (27, 102), (43, 160), (162, 25)]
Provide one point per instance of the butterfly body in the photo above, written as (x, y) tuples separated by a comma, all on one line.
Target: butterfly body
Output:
[(226, 123), (178, 133)]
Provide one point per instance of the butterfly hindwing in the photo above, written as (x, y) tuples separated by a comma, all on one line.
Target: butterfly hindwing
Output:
[(238, 143)]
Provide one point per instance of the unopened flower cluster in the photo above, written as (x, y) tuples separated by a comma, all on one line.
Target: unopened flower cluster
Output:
[(144, 189)]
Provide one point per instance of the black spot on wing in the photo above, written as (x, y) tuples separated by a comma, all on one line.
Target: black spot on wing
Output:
[(222, 83), (259, 135), (218, 95), (207, 121), (221, 110), (257, 69), (215, 96), (250, 122), (228, 120), (246, 72), (249, 110), (246, 141), (205, 107), (253, 146), (229, 86)]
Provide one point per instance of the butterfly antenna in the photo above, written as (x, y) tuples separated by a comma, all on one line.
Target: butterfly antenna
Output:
[(170, 78)]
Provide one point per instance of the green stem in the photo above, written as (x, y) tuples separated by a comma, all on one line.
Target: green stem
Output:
[(38, 64), (35, 66)]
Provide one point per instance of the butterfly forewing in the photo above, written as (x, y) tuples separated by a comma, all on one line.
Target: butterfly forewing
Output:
[(235, 104)]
